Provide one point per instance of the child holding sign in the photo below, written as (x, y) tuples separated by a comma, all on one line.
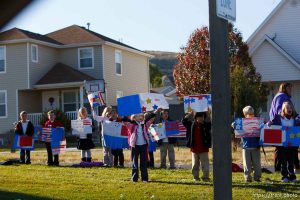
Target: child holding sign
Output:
[(199, 140), (85, 142), (139, 141), (251, 152), (51, 123), (24, 127), (286, 154)]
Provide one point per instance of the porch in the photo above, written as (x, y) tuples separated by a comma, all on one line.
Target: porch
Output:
[(36, 118)]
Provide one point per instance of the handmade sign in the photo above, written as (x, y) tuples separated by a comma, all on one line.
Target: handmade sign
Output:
[(96, 99), (81, 127), (272, 135), (153, 101), (23, 142), (292, 135), (46, 134), (115, 134), (158, 131), (248, 127), (38, 129), (197, 103), (58, 141), (139, 103), (280, 136), (175, 129)]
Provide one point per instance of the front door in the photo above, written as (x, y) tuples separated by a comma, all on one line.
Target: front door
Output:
[(50, 100)]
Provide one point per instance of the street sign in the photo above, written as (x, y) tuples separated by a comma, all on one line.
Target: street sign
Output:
[(226, 9)]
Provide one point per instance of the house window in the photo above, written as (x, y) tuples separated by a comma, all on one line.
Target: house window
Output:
[(34, 53), (3, 103), (119, 94), (70, 101), (118, 61), (2, 59), (86, 58)]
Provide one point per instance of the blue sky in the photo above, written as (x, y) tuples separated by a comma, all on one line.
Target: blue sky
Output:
[(145, 24)]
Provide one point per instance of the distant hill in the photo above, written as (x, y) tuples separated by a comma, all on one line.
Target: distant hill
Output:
[(165, 61)]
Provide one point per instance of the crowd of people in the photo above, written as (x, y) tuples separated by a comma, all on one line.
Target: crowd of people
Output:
[(198, 137)]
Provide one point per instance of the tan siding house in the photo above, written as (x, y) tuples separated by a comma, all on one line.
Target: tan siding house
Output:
[(49, 71), (132, 79), (275, 50)]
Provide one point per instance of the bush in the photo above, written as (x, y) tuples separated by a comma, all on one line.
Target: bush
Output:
[(61, 117)]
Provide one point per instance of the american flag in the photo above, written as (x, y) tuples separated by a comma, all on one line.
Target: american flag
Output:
[(175, 129), (182, 130), (87, 122), (46, 135), (96, 99), (62, 148)]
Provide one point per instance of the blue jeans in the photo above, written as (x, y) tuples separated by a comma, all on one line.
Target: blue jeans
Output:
[(22, 156), (136, 152)]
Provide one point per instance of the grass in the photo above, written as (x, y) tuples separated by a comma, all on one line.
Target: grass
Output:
[(38, 181)]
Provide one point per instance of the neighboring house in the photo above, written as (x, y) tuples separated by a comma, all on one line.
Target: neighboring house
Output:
[(275, 50), (42, 72)]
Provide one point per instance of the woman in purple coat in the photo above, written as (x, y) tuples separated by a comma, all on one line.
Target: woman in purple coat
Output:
[(284, 94)]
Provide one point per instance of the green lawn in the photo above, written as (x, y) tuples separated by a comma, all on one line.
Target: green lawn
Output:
[(38, 181)]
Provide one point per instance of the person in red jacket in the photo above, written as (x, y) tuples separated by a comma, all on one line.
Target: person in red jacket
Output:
[(24, 127), (51, 123)]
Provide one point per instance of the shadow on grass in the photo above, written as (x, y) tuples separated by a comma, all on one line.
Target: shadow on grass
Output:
[(16, 195), (182, 183), (273, 186)]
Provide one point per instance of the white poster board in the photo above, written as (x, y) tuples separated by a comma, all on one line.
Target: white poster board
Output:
[(81, 128)]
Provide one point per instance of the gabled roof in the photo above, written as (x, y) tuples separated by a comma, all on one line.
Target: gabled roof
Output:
[(72, 36), (61, 73), (16, 33), (77, 34), (276, 9), (277, 47)]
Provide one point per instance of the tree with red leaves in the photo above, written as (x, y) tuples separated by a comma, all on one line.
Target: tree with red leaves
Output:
[(192, 73)]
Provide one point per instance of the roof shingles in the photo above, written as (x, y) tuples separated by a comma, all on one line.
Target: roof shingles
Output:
[(61, 73), (70, 35)]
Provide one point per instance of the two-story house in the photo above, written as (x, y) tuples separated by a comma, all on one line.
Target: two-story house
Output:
[(42, 72), (275, 50)]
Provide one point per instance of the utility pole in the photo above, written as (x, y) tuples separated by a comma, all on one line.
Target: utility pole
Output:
[(220, 90)]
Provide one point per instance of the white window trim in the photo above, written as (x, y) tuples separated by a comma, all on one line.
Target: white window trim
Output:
[(3, 72), (37, 53), (5, 92), (118, 51), (63, 100), (92, 58)]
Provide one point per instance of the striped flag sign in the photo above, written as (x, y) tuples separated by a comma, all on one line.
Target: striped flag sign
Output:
[(58, 141), (61, 148), (96, 99), (248, 127), (175, 129), (45, 136), (115, 134)]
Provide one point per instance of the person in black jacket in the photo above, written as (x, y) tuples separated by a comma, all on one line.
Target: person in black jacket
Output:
[(24, 127), (199, 140)]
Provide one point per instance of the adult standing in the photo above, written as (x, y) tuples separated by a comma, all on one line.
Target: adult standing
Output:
[(284, 94)]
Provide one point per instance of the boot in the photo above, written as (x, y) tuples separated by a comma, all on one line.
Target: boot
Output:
[(83, 159), (89, 159)]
